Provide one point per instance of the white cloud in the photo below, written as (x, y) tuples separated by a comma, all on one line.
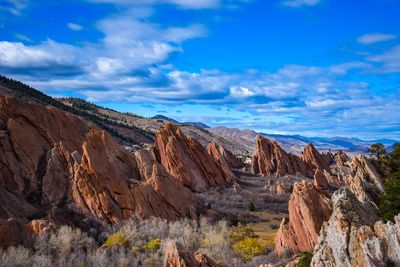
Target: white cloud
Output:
[(74, 26), (390, 60), (342, 69), (16, 55), (300, 3), (373, 38), (13, 6)]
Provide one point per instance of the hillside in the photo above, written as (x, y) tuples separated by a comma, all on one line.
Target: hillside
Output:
[(150, 125)]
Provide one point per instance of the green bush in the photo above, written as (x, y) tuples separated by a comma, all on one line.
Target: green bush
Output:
[(249, 247), (305, 259), (251, 206), (389, 205)]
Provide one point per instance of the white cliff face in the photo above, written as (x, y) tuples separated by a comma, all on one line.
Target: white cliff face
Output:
[(337, 242), (353, 235)]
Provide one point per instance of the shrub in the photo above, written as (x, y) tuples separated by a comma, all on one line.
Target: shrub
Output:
[(251, 206), (390, 201), (305, 259), (115, 239), (249, 247), (153, 244), (241, 232)]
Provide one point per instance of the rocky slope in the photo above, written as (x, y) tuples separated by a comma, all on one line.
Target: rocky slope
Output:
[(53, 160)]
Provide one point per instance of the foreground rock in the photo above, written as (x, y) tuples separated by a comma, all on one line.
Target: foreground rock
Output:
[(309, 207), (364, 181), (353, 236), (187, 160), (269, 158), (176, 256)]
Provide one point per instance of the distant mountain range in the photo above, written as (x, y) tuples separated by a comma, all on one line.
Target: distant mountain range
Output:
[(296, 143)]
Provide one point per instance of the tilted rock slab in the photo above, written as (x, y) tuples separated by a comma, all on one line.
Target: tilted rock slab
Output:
[(309, 207), (187, 160), (269, 158)]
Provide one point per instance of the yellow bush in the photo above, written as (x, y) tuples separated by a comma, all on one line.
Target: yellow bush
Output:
[(241, 232), (115, 239), (249, 247), (153, 244), (135, 249)]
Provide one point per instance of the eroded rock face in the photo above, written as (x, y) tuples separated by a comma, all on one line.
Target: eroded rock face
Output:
[(347, 238), (353, 236), (341, 158), (176, 256), (186, 159), (314, 159), (270, 158), (364, 181), (163, 196), (101, 180), (220, 158), (309, 207), (12, 232), (50, 159)]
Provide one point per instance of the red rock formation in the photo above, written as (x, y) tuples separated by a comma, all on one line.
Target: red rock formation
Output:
[(328, 157), (281, 189), (309, 207), (222, 161), (12, 232), (186, 160), (176, 256), (341, 158), (231, 159), (50, 159), (270, 158), (314, 159), (101, 180)]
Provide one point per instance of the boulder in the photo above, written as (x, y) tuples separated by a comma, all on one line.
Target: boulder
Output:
[(177, 256)]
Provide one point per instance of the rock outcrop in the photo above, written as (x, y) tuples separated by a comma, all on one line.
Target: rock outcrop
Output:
[(269, 158), (220, 158), (353, 236), (341, 158), (309, 207), (51, 159), (176, 256), (187, 160), (364, 181), (314, 159)]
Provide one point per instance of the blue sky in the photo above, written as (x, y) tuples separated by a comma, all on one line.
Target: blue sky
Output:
[(310, 67)]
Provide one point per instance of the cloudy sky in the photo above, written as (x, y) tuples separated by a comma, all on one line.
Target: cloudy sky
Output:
[(311, 67)]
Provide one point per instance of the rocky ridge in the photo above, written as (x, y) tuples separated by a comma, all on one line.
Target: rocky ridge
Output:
[(53, 160)]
